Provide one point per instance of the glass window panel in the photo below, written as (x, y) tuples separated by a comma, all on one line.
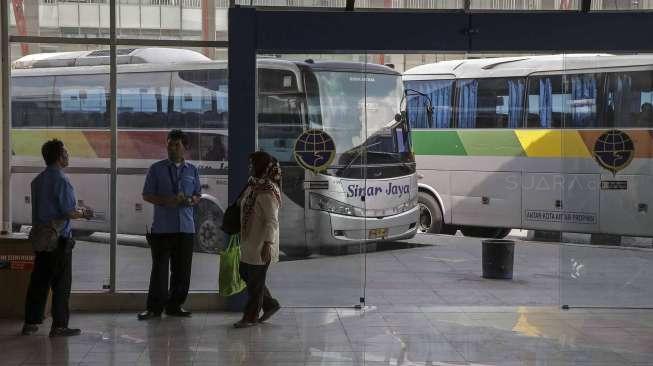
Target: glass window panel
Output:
[(54, 18), (143, 99), (154, 96), (52, 100)]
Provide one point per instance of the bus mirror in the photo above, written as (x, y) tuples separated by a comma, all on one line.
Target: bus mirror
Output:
[(399, 117)]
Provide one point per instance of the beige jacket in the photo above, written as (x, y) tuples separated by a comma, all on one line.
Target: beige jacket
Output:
[(263, 226)]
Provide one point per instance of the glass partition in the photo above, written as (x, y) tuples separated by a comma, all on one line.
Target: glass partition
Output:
[(606, 256), (59, 18), (311, 117), (204, 20), (71, 106), (140, 19), (154, 97)]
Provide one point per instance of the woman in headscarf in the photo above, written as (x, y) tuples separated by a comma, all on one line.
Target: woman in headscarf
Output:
[(259, 236)]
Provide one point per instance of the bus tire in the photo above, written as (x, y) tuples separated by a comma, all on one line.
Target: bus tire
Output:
[(485, 232), (502, 233), (208, 236), (299, 252), (449, 229), (430, 214)]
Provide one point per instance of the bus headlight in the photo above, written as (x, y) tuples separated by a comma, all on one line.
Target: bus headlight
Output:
[(322, 203)]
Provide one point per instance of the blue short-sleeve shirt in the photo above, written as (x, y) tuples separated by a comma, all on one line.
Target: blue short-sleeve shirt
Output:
[(53, 198), (164, 178)]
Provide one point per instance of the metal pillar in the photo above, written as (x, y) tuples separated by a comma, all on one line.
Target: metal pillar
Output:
[(242, 97), (6, 117), (208, 26), (113, 116)]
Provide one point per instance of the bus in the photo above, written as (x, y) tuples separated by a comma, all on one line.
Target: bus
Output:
[(66, 95), (551, 142)]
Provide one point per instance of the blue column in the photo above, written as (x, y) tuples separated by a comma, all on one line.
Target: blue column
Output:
[(242, 95)]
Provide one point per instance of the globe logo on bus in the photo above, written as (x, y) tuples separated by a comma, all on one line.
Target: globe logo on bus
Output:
[(314, 150), (614, 150)]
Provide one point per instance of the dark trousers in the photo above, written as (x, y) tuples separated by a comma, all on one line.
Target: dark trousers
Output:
[(52, 270), (172, 255), (258, 294)]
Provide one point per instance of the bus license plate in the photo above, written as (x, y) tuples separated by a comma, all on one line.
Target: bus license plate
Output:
[(378, 233)]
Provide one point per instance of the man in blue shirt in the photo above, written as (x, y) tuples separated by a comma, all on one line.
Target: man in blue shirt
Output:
[(173, 187), (53, 206)]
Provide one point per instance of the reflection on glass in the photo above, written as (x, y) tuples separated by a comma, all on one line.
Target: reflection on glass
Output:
[(159, 89), (144, 19), (72, 107)]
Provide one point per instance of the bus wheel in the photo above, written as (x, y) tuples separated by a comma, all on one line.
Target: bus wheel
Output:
[(208, 236), (297, 252), (430, 214), (502, 233), (449, 229), (485, 232)]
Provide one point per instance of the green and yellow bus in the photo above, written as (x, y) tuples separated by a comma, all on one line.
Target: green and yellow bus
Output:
[(555, 142)]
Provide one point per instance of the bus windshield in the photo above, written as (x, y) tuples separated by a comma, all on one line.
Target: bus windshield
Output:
[(358, 110)]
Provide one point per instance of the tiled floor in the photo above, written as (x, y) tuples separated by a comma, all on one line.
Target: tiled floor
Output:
[(392, 335)]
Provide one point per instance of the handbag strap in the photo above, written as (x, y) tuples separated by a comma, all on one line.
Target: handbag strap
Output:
[(234, 241)]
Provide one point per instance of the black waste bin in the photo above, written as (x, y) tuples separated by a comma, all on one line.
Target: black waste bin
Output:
[(498, 258)]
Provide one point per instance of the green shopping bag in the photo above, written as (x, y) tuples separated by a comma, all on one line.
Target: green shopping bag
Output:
[(229, 279)]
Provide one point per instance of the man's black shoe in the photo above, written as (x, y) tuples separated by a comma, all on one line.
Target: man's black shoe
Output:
[(148, 314), (179, 312), (29, 329), (64, 332)]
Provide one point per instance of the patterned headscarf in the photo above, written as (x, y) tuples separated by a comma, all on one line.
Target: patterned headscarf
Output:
[(270, 182)]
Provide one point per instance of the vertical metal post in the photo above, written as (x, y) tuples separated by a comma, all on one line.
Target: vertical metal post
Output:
[(114, 147), (181, 19), (208, 26), (6, 117)]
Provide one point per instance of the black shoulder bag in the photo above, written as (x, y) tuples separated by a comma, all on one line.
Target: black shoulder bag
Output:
[(231, 217)]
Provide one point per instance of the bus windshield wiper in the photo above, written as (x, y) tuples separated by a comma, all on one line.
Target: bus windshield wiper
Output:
[(394, 155), (359, 152)]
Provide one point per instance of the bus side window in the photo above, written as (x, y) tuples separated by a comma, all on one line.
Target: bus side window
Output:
[(546, 102), (200, 99), (279, 112), (142, 99), (32, 101), (440, 95), (490, 103), (83, 101), (581, 101), (629, 99)]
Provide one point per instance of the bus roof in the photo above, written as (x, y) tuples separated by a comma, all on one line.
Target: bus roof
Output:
[(348, 66), (525, 65), (148, 55), (155, 59)]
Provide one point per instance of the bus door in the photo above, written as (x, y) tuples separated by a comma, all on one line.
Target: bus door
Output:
[(280, 123)]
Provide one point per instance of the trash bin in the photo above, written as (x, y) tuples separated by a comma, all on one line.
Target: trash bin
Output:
[(16, 263), (498, 258)]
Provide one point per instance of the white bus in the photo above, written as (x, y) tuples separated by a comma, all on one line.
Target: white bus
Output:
[(65, 95), (559, 142)]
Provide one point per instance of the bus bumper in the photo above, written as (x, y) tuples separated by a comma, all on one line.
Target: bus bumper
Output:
[(349, 230)]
